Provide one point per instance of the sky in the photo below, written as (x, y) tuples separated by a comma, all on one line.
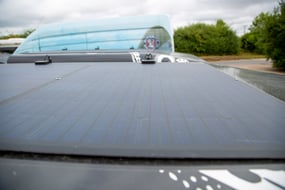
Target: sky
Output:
[(20, 15)]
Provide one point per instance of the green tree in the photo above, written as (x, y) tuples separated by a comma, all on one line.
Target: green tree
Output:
[(248, 42), (227, 39), (25, 34), (204, 39), (275, 36), (257, 32), (267, 35)]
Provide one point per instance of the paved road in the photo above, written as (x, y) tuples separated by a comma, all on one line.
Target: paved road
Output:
[(270, 83), (4, 57)]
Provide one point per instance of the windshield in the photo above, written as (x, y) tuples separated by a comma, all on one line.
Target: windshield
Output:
[(141, 32)]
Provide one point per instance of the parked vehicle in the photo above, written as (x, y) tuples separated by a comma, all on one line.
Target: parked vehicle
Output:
[(114, 107)]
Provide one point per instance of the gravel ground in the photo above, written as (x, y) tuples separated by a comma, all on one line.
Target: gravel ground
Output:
[(258, 73)]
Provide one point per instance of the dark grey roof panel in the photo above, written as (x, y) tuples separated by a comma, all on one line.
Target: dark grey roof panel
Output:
[(20, 78), (71, 57), (128, 109)]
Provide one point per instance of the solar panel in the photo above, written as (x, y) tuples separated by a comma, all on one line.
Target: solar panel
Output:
[(134, 110)]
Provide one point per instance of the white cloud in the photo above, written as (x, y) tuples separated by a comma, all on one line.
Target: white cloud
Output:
[(17, 15)]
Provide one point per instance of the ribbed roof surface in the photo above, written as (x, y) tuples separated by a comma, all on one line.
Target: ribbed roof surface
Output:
[(128, 109)]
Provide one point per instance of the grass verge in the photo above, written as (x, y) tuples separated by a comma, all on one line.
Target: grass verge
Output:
[(232, 57)]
